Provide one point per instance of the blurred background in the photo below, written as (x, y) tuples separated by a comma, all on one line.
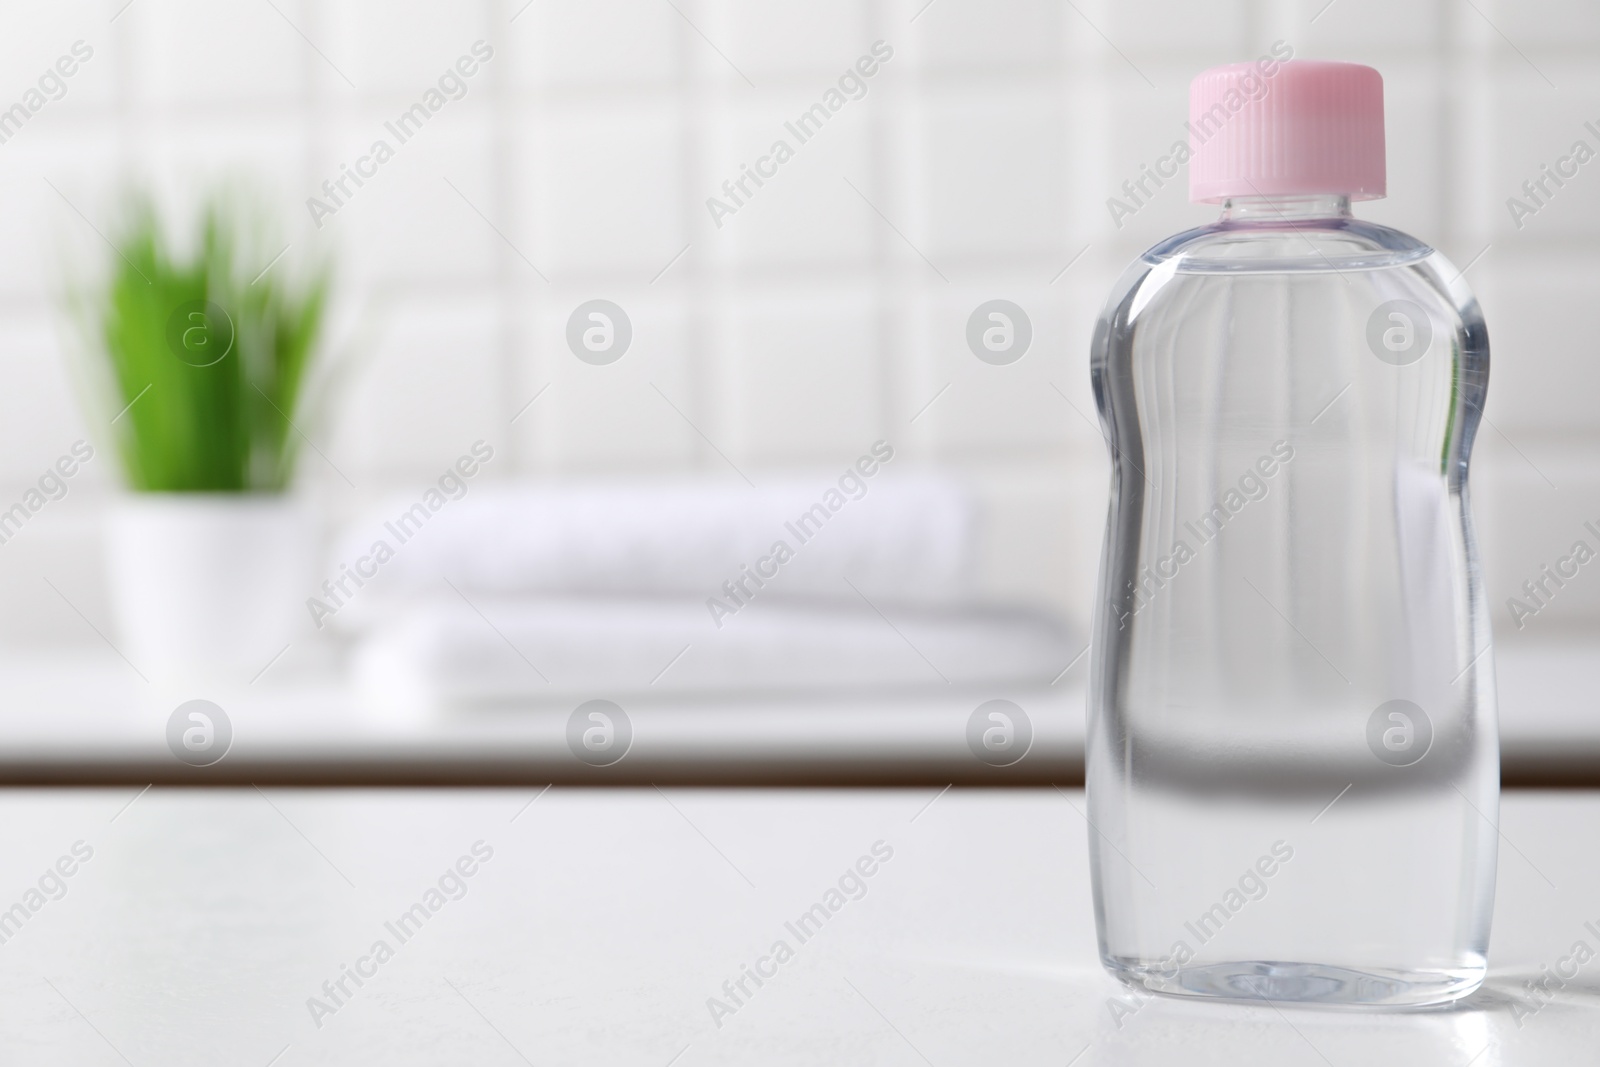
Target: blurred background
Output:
[(772, 345)]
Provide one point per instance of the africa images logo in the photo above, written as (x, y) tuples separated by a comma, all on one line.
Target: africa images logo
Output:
[(599, 732), (199, 733), (1399, 733), (999, 733)]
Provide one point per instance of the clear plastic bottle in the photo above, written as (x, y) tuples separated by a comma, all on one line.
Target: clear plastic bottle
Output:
[(1293, 768)]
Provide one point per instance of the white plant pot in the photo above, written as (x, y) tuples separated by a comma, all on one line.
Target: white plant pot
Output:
[(207, 586)]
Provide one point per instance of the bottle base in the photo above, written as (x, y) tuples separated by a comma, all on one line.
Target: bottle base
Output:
[(1315, 984)]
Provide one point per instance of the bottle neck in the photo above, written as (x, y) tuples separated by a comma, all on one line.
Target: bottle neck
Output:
[(1285, 208)]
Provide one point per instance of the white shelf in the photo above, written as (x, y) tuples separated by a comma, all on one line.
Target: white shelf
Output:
[(84, 716)]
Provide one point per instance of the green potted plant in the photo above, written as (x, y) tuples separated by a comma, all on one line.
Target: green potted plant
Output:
[(207, 354)]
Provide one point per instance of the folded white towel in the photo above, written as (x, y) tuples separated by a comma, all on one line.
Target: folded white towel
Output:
[(560, 650), (898, 538)]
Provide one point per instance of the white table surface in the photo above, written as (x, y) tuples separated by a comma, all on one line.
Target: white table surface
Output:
[(205, 919)]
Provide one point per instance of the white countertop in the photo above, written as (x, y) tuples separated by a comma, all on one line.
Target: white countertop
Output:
[(605, 919)]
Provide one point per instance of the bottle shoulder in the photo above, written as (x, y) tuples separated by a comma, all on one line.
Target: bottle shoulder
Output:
[(1350, 254), (1285, 246)]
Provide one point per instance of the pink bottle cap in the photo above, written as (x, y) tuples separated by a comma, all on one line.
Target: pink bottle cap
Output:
[(1302, 127)]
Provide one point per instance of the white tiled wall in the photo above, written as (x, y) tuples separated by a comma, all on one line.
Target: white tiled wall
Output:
[(827, 312)]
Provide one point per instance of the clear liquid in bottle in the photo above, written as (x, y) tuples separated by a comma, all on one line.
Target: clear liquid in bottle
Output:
[(1293, 768)]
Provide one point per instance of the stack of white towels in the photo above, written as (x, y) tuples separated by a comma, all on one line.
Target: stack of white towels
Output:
[(524, 593)]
